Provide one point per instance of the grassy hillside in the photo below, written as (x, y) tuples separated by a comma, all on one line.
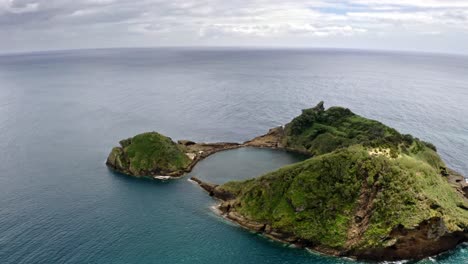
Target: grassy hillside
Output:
[(148, 154), (318, 199), (321, 131)]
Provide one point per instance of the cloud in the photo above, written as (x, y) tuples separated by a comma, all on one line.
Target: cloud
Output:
[(275, 30), (192, 22), (413, 3)]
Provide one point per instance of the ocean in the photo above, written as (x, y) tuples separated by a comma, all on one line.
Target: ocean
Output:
[(61, 112)]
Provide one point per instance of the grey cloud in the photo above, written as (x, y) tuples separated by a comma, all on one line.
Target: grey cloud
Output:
[(52, 24), (456, 15)]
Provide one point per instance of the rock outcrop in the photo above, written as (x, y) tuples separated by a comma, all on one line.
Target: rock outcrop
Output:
[(430, 237), (273, 139)]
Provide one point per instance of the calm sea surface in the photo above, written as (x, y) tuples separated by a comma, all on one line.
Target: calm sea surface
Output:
[(62, 112)]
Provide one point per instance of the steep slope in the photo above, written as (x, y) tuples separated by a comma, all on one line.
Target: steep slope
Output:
[(318, 131), (148, 154), (350, 202)]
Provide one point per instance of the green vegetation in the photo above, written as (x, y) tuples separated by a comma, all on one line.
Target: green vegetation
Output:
[(317, 199), (149, 154), (321, 131), (313, 199)]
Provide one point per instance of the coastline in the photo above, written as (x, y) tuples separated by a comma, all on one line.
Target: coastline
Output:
[(199, 151), (259, 228), (409, 240)]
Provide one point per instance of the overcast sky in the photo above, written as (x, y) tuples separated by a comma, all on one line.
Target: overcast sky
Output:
[(422, 25)]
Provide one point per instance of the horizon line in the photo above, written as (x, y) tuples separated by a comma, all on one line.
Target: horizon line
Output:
[(247, 47)]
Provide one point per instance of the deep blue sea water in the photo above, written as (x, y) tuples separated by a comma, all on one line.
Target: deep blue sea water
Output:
[(62, 112)]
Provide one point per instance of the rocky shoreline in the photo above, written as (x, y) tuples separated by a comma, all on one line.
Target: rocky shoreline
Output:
[(224, 209), (427, 239)]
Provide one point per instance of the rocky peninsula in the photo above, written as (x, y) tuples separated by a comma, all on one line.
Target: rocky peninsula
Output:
[(367, 192), (156, 156), (153, 155)]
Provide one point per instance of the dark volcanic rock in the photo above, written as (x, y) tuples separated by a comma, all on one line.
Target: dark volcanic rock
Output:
[(429, 238), (186, 142), (213, 190)]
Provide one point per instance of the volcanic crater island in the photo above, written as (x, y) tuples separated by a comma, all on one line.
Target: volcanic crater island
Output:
[(366, 191)]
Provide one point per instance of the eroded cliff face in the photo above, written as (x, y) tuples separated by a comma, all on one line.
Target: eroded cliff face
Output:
[(273, 139), (428, 238)]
